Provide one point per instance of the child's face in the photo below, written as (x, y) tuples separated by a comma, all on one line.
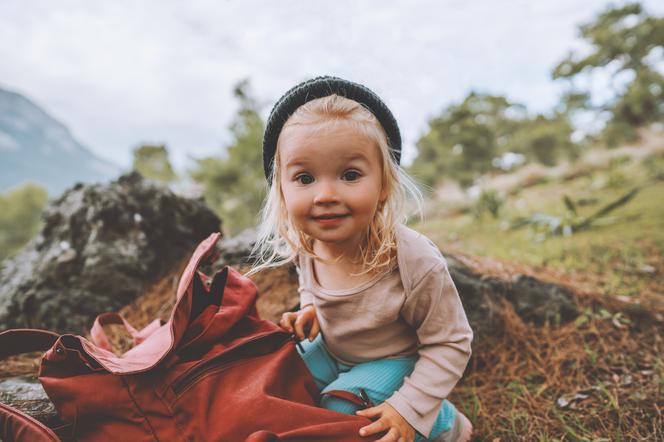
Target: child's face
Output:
[(331, 179)]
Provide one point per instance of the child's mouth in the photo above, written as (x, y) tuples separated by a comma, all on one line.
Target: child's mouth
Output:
[(329, 218)]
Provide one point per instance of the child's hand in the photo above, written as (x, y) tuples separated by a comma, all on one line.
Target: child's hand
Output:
[(301, 321), (388, 420)]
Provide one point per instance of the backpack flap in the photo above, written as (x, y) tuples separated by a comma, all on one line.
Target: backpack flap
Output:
[(162, 339)]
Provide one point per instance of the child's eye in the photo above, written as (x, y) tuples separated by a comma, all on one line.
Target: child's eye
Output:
[(351, 175), (304, 178)]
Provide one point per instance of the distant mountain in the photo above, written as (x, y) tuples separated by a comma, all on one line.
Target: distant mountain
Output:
[(34, 146)]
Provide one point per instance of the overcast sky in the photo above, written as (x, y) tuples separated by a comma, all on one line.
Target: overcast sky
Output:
[(121, 73)]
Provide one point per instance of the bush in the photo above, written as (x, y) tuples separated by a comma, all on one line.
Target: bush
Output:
[(488, 201), (20, 217)]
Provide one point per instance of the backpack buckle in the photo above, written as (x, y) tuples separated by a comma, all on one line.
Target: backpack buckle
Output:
[(365, 398), (297, 342)]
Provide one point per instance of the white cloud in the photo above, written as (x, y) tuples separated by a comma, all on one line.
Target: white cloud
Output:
[(121, 73)]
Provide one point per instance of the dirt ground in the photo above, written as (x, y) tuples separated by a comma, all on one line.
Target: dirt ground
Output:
[(598, 378)]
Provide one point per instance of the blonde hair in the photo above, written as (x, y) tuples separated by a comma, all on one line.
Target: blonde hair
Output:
[(279, 241)]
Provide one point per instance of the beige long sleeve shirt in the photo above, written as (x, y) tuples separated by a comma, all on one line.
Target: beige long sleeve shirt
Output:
[(414, 309)]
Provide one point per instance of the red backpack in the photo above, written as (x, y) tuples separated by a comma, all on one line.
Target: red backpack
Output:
[(215, 372)]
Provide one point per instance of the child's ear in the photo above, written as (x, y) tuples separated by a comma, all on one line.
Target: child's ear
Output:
[(383, 197)]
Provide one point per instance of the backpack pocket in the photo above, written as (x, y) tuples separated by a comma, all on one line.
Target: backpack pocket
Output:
[(246, 352)]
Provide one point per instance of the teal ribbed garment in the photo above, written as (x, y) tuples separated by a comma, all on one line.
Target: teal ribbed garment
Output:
[(379, 379)]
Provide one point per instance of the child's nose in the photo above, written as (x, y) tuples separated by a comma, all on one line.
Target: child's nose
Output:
[(326, 193)]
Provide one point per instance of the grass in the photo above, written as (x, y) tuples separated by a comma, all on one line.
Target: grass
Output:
[(608, 361), (624, 250)]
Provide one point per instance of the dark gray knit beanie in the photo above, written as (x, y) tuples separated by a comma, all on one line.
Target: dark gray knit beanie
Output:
[(322, 87)]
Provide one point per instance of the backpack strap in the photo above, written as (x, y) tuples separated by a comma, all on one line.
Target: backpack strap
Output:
[(98, 335), (14, 424), (25, 340), (18, 426)]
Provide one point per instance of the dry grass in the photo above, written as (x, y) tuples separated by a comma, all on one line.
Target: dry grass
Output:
[(615, 368), (608, 364)]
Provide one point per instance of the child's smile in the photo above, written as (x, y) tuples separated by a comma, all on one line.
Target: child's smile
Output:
[(330, 219), (331, 180)]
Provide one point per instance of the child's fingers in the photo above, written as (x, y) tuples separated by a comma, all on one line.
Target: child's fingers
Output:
[(391, 436), (315, 328), (370, 412), (300, 323), (374, 427), (286, 321)]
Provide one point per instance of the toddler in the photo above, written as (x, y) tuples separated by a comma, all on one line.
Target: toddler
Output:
[(377, 303)]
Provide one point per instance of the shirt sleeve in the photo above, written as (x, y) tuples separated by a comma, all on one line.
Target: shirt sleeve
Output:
[(434, 310)]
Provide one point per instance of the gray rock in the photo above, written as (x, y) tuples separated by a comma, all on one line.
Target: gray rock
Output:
[(27, 395), (236, 250), (101, 246), (533, 300)]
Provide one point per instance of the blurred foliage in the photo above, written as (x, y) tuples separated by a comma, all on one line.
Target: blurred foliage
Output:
[(654, 166), (545, 139), (641, 104), (488, 201), (234, 184), (152, 162), (626, 42), (20, 217), (631, 236), (463, 141), (545, 225)]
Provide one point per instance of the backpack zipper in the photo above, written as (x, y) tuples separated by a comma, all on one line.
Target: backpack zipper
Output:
[(227, 360)]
